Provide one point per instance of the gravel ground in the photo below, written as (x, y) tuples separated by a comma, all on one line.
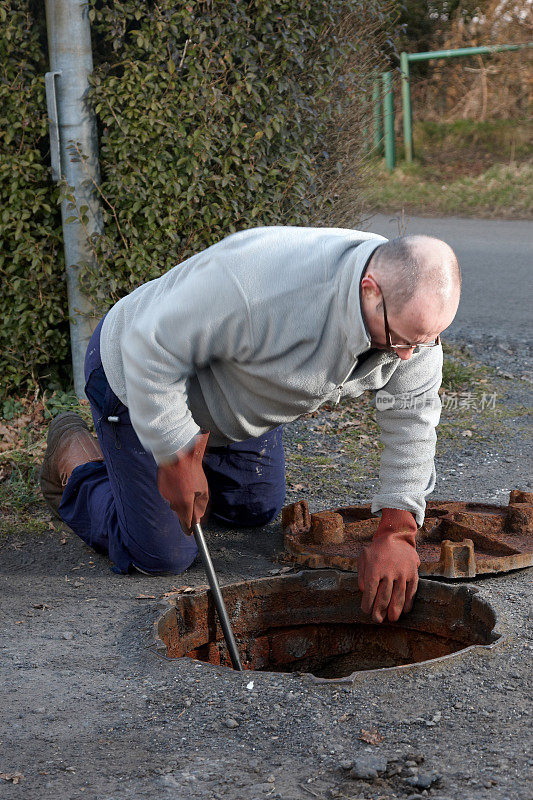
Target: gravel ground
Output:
[(89, 710)]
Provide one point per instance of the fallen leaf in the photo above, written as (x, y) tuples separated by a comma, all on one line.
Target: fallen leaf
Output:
[(14, 777), (145, 597), (297, 487), (40, 605), (372, 736), (467, 433)]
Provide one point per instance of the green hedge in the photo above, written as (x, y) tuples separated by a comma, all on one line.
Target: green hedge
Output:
[(213, 117)]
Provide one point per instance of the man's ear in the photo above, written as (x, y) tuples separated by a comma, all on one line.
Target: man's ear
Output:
[(370, 288)]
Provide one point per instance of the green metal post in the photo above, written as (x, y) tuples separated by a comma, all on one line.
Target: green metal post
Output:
[(388, 121), (377, 116), (406, 107)]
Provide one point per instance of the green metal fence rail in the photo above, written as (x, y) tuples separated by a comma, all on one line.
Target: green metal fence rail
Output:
[(407, 58), (388, 120)]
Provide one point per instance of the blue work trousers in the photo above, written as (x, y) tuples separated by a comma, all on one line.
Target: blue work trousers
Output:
[(115, 505)]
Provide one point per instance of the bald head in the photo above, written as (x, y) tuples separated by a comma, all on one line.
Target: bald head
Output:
[(417, 267)]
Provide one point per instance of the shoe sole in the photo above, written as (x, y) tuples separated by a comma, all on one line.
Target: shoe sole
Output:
[(66, 421)]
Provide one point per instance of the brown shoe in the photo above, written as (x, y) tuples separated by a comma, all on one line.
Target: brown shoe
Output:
[(69, 444)]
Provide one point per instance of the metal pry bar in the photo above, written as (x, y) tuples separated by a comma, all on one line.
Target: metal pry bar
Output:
[(217, 596)]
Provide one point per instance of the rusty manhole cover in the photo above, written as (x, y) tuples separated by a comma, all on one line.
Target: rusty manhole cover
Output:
[(457, 540), (311, 622)]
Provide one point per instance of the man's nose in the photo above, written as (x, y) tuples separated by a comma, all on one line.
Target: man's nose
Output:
[(405, 355)]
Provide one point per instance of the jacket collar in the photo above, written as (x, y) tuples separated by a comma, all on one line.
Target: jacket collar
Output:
[(349, 295)]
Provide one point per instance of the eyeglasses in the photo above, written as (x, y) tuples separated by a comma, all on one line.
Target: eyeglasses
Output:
[(388, 339)]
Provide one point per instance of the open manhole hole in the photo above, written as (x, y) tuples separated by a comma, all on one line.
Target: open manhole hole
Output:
[(311, 622)]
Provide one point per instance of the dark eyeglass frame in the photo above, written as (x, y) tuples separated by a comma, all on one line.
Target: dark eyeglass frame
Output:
[(388, 339)]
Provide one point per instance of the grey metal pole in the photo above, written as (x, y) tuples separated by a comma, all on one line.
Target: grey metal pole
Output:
[(225, 623), (74, 155)]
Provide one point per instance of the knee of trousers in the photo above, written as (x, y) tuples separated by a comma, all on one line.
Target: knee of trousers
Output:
[(174, 564), (249, 516), (258, 519)]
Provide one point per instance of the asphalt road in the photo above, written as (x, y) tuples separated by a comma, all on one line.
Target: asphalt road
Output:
[(496, 258)]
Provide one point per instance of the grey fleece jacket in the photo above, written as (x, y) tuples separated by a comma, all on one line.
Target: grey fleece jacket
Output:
[(257, 330)]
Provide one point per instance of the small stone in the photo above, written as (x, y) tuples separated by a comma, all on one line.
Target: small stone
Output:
[(346, 765), (68, 635), (368, 767), (410, 763), (416, 797), (231, 723), (41, 710), (171, 782), (423, 780), (271, 779)]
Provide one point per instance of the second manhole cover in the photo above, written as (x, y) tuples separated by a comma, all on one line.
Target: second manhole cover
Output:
[(457, 540)]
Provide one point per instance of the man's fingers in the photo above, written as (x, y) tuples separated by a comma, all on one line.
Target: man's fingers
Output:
[(383, 596), (185, 518), (200, 504), (397, 600), (369, 593), (410, 592)]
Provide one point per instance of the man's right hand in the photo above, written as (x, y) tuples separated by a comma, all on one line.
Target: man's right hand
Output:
[(388, 567), (184, 485)]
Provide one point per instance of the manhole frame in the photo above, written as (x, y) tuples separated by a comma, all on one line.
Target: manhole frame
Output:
[(167, 607)]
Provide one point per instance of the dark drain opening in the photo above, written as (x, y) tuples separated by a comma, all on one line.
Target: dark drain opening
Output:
[(311, 622)]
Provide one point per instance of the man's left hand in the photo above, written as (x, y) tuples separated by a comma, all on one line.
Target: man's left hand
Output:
[(388, 567)]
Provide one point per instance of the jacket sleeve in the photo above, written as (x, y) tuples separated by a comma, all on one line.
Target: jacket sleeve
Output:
[(207, 321), (408, 411)]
